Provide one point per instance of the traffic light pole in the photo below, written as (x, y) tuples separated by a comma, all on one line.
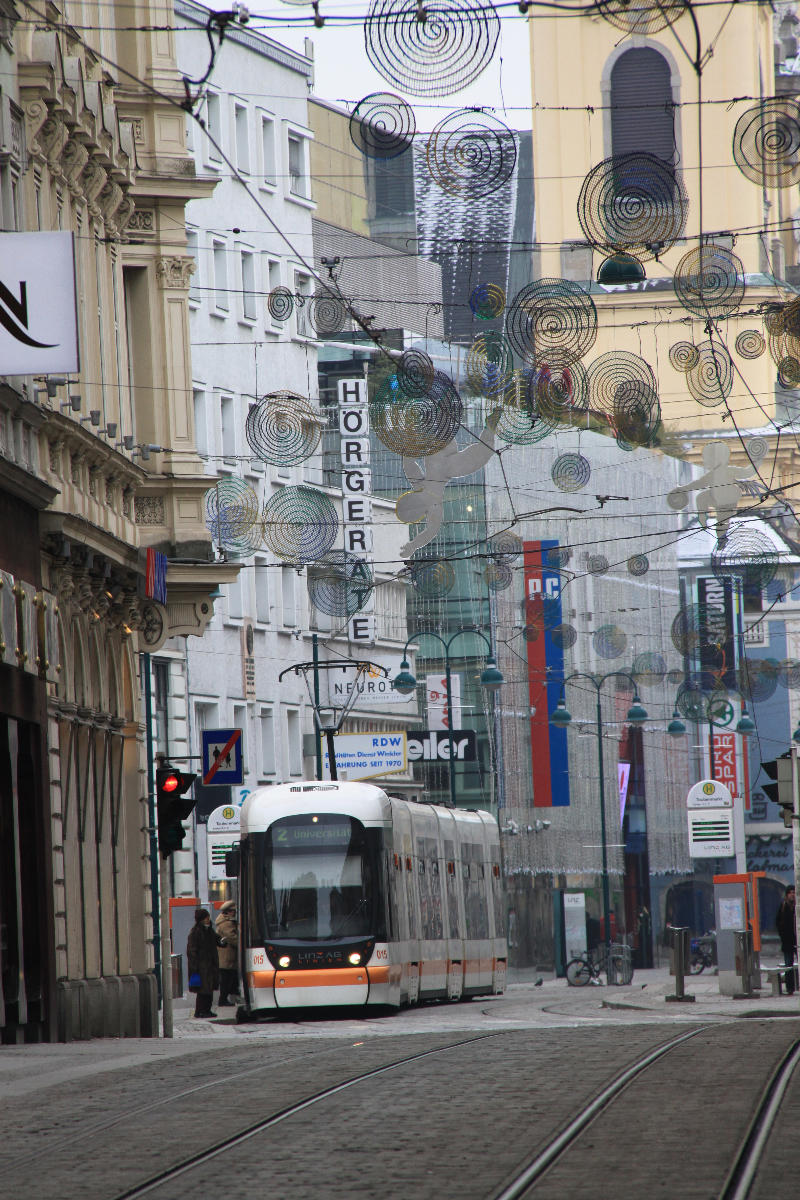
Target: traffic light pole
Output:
[(166, 952), (796, 832)]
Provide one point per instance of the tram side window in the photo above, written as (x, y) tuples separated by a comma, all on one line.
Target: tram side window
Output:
[(475, 899), (451, 883), (408, 874), (430, 896), (498, 896), (250, 872), (391, 894)]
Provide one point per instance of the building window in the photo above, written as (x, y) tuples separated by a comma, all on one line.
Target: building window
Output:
[(235, 597), (242, 131), (298, 170), (261, 573), (267, 742), (273, 274), (288, 577), (214, 124), (302, 291), (161, 705), (293, 742), (642, 113), (220, 254), (268, 172), (192, 251), (240, 722), (248, 267), (228, 418)]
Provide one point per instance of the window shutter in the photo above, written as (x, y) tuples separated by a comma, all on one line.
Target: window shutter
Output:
[(642, 116)]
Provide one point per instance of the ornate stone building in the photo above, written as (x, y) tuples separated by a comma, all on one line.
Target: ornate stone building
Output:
[(94, 468)]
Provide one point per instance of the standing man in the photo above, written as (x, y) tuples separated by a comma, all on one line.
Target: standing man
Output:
[(787, 931), (228, 929), (202, 958)]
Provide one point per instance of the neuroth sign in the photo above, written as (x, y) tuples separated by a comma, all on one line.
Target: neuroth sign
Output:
[(38, 318)]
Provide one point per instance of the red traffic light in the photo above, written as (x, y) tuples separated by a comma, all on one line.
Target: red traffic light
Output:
[(170, 783)]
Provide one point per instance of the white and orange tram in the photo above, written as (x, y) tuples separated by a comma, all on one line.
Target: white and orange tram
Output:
[(348, 897)]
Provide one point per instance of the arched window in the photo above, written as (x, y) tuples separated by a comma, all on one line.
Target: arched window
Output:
[(642, 113)]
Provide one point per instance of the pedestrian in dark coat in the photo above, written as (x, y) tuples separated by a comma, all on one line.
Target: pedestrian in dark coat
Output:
[(202, 958), (228, 929), (787, 931)]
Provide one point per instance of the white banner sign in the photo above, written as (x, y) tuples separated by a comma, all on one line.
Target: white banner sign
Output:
[(222, 831), (367, 755), (436, 697), (375, 688), (38, 317)]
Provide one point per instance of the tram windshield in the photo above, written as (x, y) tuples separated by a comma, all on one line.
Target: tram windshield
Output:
[(318, 877)]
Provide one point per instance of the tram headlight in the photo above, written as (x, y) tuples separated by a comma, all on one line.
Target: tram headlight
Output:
[(355, 959), (284, 961)]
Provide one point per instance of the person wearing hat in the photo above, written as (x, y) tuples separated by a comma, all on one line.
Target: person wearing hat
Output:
[(228, 931), (202, 959)]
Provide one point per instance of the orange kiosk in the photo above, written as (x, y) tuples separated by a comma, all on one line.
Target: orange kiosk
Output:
[(736, 908)]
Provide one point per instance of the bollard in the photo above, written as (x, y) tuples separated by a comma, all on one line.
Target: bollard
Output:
[(177, 976), (679, 963), (743, 949)]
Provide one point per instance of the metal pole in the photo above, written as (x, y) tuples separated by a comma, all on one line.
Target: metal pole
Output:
[(796, 829), (317, 734), (151, 821), (166, 945), (329, 734), (606, 897), (451, 744)]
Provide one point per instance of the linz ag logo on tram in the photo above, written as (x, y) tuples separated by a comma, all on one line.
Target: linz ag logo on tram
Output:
[(320, 958)]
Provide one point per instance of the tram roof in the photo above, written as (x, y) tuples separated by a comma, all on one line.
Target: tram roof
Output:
[(368, 803)]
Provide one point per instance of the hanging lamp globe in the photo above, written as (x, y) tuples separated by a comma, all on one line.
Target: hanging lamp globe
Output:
[(491, 675), (637, 713), (562, 716), (404, 682), (676, 727)]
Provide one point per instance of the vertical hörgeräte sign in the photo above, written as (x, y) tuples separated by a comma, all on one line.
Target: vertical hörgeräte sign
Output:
[(357, 492), (38, 315), (545, 677)]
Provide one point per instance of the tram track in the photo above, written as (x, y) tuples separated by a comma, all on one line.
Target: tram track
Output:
[(200, 1158), (751, 1151)]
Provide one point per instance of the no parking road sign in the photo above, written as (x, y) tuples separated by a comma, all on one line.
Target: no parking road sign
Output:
[(222, 757)]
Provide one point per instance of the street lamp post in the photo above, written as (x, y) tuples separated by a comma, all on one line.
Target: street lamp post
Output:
[(637, 715), (491, 678)]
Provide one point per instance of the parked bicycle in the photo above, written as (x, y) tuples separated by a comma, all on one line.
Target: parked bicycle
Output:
[(701, 953), (587, 967)]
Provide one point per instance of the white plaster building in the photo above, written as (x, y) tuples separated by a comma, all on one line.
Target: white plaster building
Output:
[(256, 109)]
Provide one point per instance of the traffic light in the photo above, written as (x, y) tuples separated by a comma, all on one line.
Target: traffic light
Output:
[(780, 770), (173, 807)]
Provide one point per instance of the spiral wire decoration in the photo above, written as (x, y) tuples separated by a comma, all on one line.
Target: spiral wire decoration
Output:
[(552, 322), (564, 636), (641, 16), (571, 472), (757, 449), (789, 674), (649, 667), (232, 515), (340, 584), (637, 414), (758, 679), (521, 421), (283, 429), (597, 564), (559, 556), (471, 153), (498, 576), (382, 125), (280, 303), (327, 314), (750, 343), (489, 364), (505, 546), (487, 301), (437, 56), (610, 371), (709, 281), (633, 202), (789, 372), (748, 555), (695, 626), (638, 565), (300, 524), (692, 702), (609, 641), (557, 395), (683, 356), (416, 425), (766, 142), (415, 373), (711, 380), (432, 577)]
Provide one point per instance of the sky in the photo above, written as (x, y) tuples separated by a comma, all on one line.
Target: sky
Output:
[(344, 75)]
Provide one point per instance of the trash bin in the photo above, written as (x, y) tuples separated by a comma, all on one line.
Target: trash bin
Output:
[(679, 948), (177, 976), (744, 959)]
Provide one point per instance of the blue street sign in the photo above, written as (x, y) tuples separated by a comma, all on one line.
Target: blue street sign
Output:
[(222, 757)]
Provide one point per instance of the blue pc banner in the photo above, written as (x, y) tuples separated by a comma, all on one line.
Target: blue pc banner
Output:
[(545, 675)]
